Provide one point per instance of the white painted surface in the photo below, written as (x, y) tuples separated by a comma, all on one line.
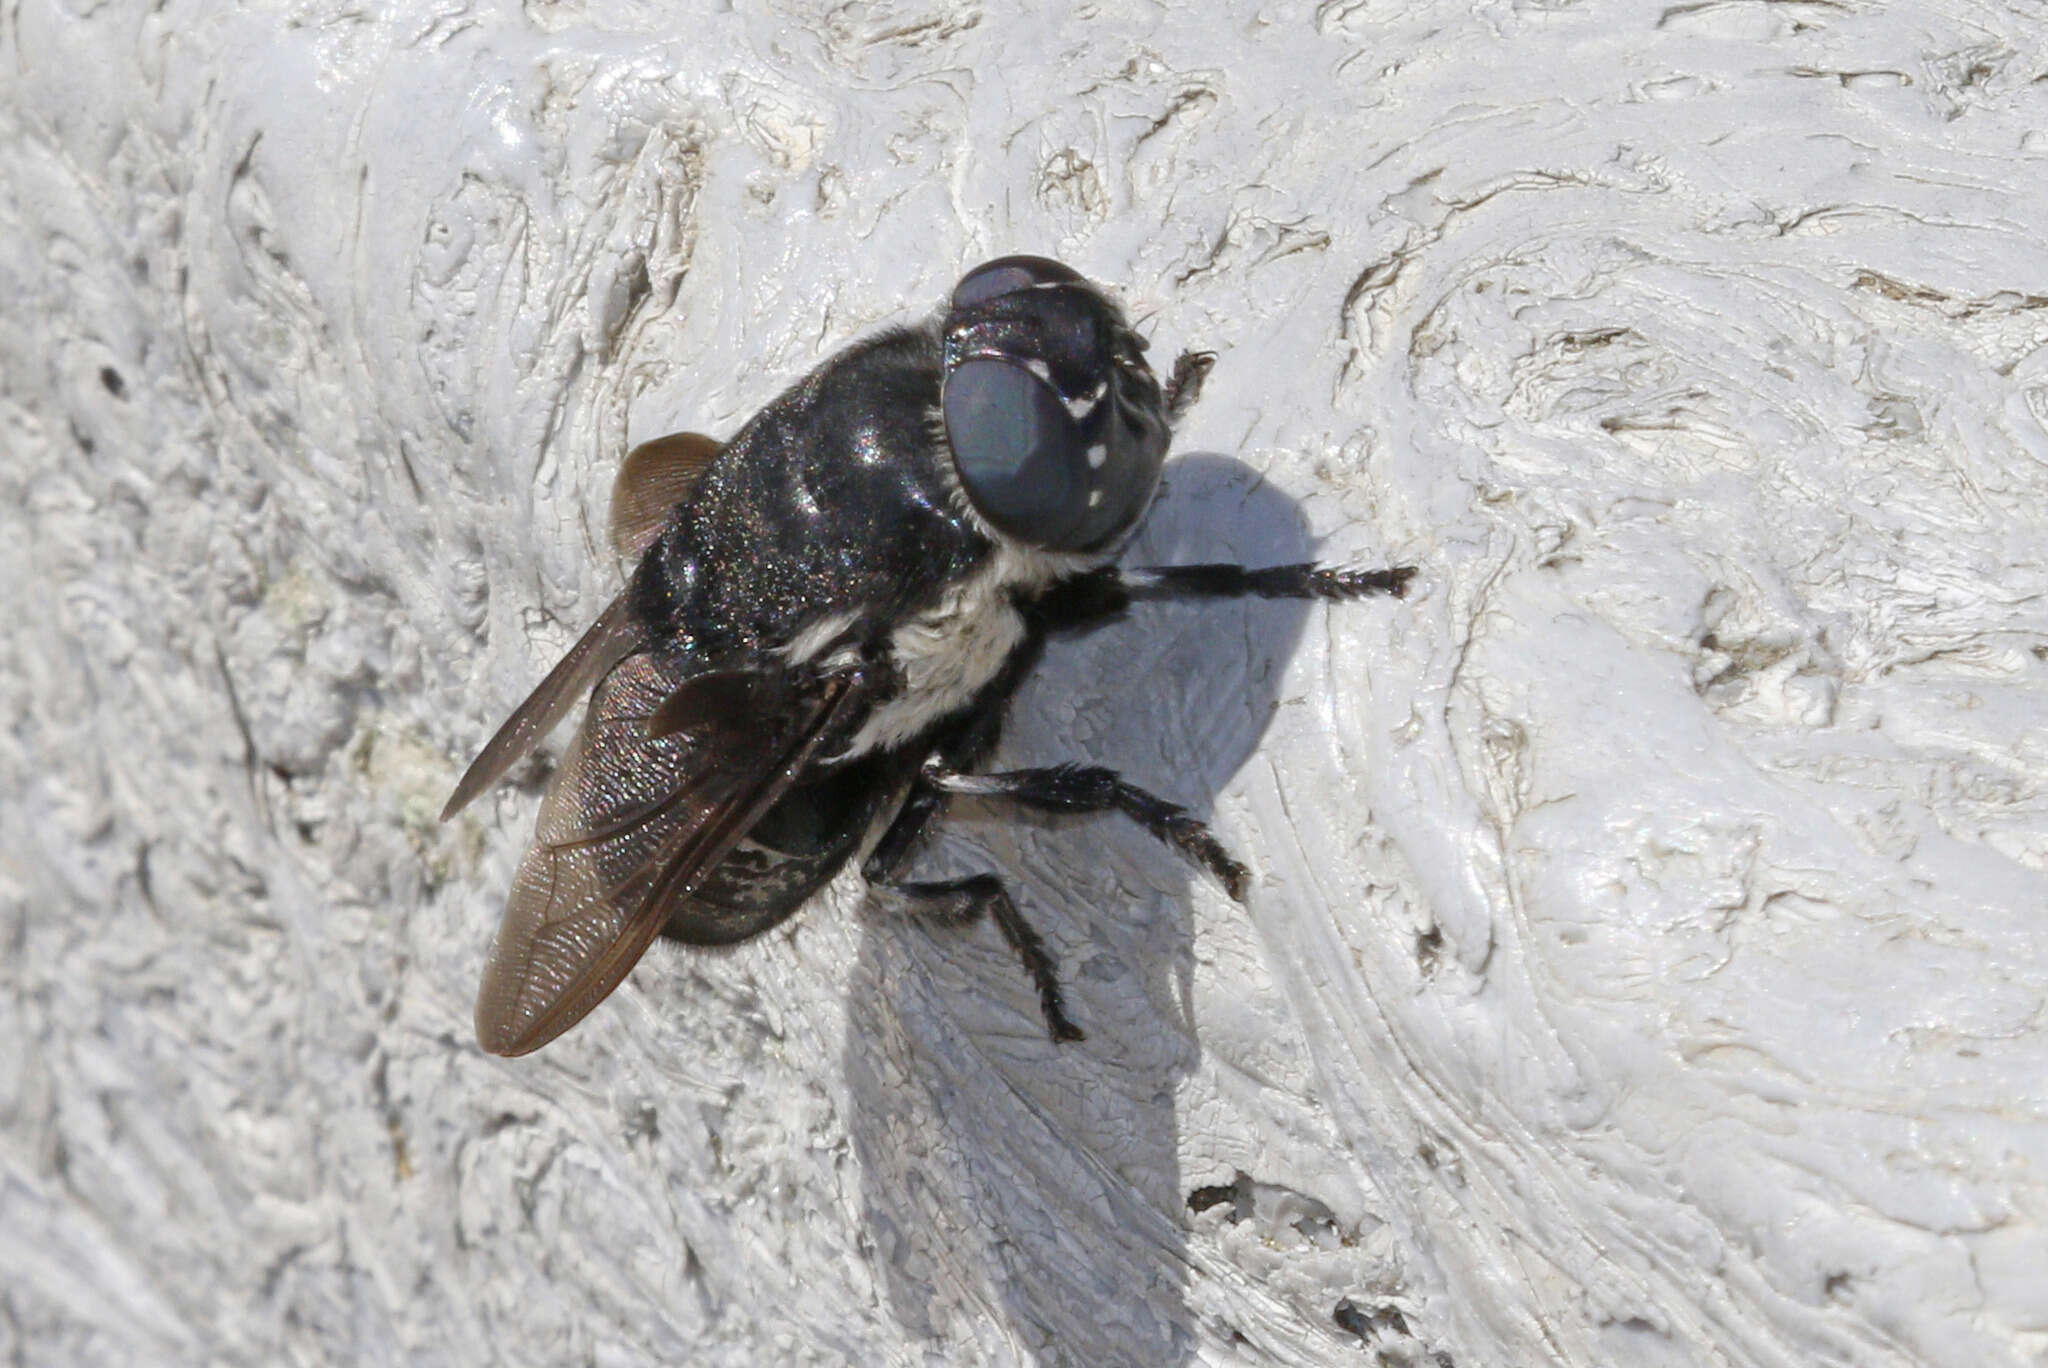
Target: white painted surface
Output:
[(1646, 958)]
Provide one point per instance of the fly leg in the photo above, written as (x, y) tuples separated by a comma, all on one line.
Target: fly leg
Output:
[(1100, 596), (1184, 386), (1071, 789), (1121, 587), (1305, 581), (1091, 788), (961, 902)]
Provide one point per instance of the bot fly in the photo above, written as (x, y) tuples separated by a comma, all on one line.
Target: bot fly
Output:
[(828, 616)]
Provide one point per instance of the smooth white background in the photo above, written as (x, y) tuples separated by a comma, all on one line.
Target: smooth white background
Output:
[(1645, 961)]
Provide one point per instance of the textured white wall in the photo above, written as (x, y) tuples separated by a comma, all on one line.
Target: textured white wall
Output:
[(1647, 961)]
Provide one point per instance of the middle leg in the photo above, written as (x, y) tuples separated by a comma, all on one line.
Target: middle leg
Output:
[(1091, 788), (961, 902)]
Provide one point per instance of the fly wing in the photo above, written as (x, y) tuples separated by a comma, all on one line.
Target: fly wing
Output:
[(613, 637), (654, 478), (667, 774)]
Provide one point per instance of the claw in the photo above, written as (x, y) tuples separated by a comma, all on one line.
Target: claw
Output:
[(1351, 584)]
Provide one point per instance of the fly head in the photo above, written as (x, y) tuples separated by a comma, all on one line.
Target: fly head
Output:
[(1057, 426)]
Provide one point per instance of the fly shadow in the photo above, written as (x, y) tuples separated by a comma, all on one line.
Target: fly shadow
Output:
[(1003, 1173)]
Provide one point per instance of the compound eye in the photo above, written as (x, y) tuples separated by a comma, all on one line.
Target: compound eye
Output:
[(1017, 450), (1007, 275)]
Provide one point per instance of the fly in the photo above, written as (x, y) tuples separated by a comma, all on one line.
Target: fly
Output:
[(828, 617)]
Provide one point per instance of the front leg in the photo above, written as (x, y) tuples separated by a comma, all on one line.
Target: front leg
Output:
[(1304, 581), (1092, 599), (1184, 386)]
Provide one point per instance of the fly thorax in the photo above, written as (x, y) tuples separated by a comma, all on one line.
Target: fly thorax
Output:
[(945, 655)]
